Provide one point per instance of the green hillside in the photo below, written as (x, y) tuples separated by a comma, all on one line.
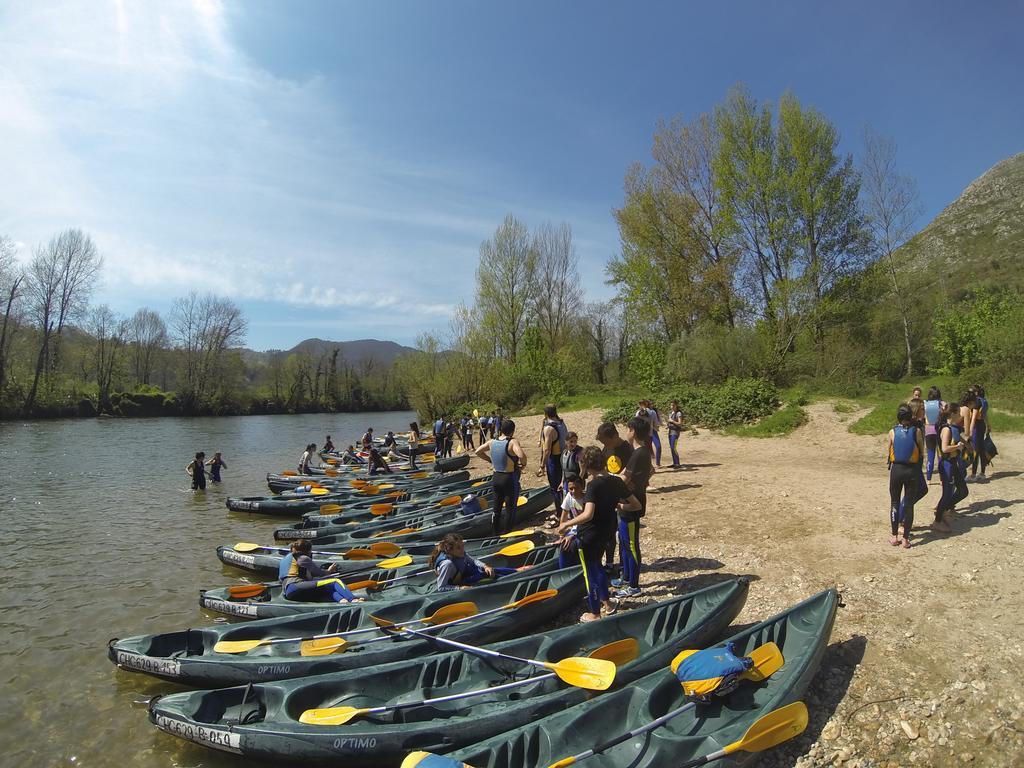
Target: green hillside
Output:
[(979, 238)]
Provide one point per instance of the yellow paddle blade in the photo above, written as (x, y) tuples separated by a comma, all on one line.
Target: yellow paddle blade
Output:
[(449, 501), (395, 562), (618, 652), (319, 491), (322, 646), (370, 490), (245, 546), (522, 500), (592, 674), (330, 509), (385, 549), (386, 486), (237, 646), (478, 483), (361, 554), (330, 715), (331, 472), (442, 615), (246, 590), (517, 534), (381, 509), (519, 548), (536, 597), (367, 584), (476, 414), (332, 462), (772, 729), (767, 661)]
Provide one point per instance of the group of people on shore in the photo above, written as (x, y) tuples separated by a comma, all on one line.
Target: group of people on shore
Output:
[(196, 469), (448, 428), (600, 490), (935, 435)]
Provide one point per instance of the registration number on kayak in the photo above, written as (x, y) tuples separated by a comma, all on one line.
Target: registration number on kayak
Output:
[(224, 606), (247, 505), (211, 737), (165, 667), (230, 556)]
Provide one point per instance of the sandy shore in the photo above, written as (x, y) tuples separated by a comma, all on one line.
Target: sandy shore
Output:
[(923, 661)]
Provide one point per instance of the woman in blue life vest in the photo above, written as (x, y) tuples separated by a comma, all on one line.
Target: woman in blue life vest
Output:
[(951, 470), (508, 460), (932, 412), (306, 581), (979, 431), (216, 464), (455, 569), (554, 436), (906, 450)]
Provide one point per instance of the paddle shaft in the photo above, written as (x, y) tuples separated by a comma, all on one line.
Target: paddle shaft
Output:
[(428, 570), (476, 650), (457, 696), (627, 736)]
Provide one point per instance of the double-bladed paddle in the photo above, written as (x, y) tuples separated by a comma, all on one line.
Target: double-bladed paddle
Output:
[(767, 660), (252, 590), (593, 674), (618, 652), (377, 549)]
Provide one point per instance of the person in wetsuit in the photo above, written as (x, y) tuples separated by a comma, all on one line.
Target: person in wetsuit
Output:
[(906, 449), (616, 452), (637, 475), (933, 408), (328, 445), (216, 464), (951, 469), (553, 440), (377, 464), (196, 470), (979, 432), (306, 581), (508, 460), (457, 570), (570, 460)]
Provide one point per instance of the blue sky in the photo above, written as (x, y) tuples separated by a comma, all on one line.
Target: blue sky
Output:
[(333, 167)]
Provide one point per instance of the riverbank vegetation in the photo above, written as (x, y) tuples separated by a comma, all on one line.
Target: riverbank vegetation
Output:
[(757, 258)]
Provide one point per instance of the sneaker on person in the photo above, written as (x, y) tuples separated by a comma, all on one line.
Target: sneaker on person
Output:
[(628, 592), (616, 583)]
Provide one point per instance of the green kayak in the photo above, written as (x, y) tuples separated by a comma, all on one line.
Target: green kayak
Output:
[(801, 633), (429, 525), (498, 611), (262, 721), (267, 560), (271, 602)]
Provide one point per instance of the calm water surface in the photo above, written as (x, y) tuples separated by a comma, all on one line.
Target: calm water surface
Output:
[(101, 537)]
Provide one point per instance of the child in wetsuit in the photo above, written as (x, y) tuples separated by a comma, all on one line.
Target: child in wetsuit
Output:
[(216, 464), (308, 582), (572, 506), (455, 569)]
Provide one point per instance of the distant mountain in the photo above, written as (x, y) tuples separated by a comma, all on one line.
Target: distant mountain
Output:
[(357, 352), (978, 240)]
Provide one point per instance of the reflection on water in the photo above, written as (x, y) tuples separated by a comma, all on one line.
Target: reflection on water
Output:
[(101, 537)]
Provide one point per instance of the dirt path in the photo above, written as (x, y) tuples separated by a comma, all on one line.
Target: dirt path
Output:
[(924, 659)]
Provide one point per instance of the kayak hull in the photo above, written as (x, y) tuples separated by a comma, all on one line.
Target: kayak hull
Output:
[(187, 656), (262, 721)]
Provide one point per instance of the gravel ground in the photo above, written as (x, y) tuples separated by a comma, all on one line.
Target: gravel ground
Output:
[(921, 665)]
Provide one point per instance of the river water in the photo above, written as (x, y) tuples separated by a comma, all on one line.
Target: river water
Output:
[(100, 537)]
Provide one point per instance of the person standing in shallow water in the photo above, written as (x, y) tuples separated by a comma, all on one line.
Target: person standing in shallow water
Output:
[(216, 464), (197, 471)]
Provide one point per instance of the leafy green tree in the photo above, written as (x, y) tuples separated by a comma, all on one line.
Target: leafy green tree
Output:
[(506, 284)]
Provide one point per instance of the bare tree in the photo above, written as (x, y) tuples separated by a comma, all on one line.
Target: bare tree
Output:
[(599, 323), (891, 210), (205, 327), (12, 278), (559, 295), (109, 333), (506, 282), (148, 335), (60, 279)]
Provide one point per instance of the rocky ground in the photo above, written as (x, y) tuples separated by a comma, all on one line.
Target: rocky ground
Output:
[(923, 660)]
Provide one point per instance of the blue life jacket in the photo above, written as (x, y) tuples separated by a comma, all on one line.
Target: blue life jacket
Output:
[(955, 433), (904, 445), (983, 406), (285, 566), (563, 435), (502, 459), (439, 427), (932, 409)]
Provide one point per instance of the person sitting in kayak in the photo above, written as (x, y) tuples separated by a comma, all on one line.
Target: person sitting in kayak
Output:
[(328, 445), (377, 464), (195, 470), (308, 582), (216, 464), (455, 569), (367, 439), (389, 441), (351, 457)]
